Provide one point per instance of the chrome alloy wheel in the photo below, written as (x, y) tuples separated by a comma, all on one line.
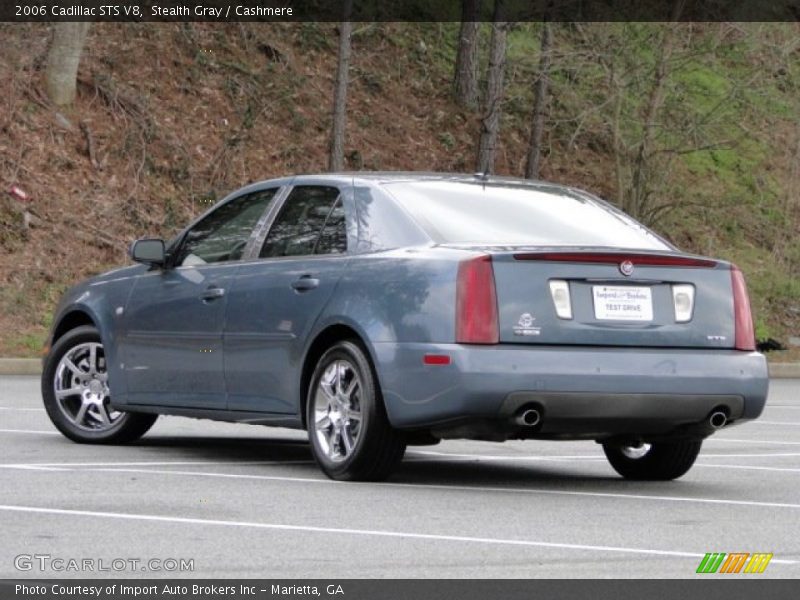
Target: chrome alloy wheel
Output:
[(81, 388), (337, 410), (636, 452)]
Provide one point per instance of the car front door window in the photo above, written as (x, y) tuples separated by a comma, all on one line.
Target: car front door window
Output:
[(223, 234)]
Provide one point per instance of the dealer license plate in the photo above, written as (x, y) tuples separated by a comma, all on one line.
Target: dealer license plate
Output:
[(622, 303)]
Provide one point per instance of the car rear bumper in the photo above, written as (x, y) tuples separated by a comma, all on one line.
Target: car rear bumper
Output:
[(581, 391)]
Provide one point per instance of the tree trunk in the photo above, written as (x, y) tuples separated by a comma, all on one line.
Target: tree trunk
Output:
[(618, 144), (63, 60), (465, 80), (336, 159), (539, 97), (490, 123)]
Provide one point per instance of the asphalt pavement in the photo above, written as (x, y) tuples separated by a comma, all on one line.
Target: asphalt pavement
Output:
[(245, 501)]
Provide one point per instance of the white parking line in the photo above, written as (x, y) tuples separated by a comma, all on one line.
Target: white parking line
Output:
[(725, 440), (429, 456), (34, 468), (750, 455), (78, 465), (489, 456), (458, 488), (420, 455), (576, 457), (362, 532), (31, 431), (760, 422), (750, 467), (18, 408)]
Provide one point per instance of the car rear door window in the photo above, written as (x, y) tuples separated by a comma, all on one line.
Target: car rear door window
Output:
[(311, 221), (333, 238), (223, 234)]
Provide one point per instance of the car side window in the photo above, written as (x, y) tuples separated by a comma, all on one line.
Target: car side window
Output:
[(333, 237), (311, 221), (223, 234)]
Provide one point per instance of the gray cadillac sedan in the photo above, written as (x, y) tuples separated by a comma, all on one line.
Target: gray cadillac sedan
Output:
[(380, 310)]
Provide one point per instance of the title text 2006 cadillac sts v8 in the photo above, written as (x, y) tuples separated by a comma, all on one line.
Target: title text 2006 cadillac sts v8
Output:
[(380, 310)]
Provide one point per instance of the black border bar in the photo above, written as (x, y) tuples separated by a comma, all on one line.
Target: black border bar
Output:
[(397, 10), (702, 588)]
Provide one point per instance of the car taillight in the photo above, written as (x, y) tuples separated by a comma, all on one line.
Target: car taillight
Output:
[(745, 334), (476, 303)]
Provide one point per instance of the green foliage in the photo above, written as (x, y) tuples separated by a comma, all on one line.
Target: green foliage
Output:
[(312, 36), (763, 330), (31, 344), (447, 140)]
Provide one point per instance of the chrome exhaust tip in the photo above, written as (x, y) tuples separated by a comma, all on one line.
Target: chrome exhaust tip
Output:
[(718, 419), (528, 418)]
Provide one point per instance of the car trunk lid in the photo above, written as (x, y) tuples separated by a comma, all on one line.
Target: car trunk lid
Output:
[(613, 298)]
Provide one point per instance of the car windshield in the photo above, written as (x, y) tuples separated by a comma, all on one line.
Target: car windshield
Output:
[(516, 214)]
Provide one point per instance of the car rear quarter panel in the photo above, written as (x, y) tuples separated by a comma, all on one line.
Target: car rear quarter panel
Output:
[(393, 299), (399, 296)]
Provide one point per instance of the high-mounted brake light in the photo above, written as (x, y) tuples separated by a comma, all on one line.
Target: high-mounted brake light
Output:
[(476, 303), (745, 333), (614, 258)]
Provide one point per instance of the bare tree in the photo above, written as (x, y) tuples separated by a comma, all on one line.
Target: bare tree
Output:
[(642, 106), (539, 98), (495, 89), (336, 159), (63, 60), (465, 79), (638, 197)]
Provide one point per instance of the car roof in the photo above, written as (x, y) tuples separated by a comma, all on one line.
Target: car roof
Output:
[(378, 177)]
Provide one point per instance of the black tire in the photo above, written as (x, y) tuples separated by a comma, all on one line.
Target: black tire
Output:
[(378, 447), (662, 462), (125, 426)]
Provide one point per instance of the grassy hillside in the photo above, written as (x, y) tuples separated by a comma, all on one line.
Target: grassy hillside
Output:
[(170, 117)]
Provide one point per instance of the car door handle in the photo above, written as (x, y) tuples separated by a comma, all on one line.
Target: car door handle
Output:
[(212, 293), (305, 283)]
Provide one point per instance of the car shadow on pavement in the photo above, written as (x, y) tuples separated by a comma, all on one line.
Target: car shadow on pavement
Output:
[(227, 448), (417, 469), (479, 472)]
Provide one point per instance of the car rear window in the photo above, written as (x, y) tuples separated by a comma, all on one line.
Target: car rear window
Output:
[(500, 213)]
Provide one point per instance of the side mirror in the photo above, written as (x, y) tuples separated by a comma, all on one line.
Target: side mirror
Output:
[(148, 251)]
